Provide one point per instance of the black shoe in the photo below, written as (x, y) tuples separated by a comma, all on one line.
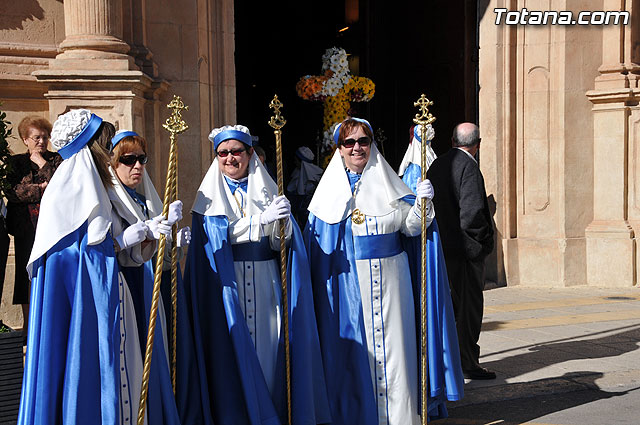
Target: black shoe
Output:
[(479, 373)]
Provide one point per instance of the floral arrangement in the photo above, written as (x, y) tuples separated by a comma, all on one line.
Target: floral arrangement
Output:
[(337, 88)]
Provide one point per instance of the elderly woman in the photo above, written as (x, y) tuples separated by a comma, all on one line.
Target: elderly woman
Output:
[(136, 205), (29, 176), (232, 279), (366, 279), (72, 368)]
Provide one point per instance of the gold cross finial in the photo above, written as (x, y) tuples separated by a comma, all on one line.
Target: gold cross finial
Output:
[(276, 121), (423, 117), (175, 124)]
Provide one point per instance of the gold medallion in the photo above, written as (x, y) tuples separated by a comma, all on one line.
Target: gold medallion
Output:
[(357, 216)]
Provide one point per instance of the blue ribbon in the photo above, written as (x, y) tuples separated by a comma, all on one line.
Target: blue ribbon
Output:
[(336, 132), (81, 139), (232, 134), (234, 185), (121, 136), (377, 246)]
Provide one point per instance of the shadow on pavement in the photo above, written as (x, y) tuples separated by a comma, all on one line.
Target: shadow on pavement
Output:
[(528, 408)]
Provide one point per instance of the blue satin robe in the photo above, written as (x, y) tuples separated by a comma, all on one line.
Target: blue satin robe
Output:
[(226, 384), (341, 328), (72, 363)]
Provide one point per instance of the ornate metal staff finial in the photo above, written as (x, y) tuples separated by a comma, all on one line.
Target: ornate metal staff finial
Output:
[(423, 117), (175, 124), (276, 121)]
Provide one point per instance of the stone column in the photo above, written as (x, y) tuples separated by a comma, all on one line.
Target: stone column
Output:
[(611, 240), (93, 31), (94, 71)]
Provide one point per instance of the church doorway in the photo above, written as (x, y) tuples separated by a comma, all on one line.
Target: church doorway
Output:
[(406, 48)]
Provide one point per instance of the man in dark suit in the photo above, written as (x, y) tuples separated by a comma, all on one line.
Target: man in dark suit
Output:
[(466, 229)]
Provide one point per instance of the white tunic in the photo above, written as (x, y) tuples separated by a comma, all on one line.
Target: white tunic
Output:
[(259, 289), (131, 363), (387, 304)]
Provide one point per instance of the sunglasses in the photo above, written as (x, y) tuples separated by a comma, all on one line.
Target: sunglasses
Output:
[(234, 152), (132, 159), (363, 141)]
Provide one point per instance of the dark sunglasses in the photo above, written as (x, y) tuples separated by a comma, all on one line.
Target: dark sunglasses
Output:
[(234, 152), (132, 159), (363, 141)]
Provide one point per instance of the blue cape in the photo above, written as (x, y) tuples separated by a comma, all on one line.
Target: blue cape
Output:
[(411, 176), (231, 388), (72, 364), (341, 325)]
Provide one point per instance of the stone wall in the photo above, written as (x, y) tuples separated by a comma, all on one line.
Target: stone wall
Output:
[(124, 60), (557, 156)]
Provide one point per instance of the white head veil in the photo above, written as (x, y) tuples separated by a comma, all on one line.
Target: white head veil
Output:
[(75, 194)]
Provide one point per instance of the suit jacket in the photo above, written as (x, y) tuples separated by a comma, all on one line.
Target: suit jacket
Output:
[(461, 206)]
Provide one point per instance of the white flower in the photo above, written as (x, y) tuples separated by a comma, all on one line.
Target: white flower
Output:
[(68, 126)]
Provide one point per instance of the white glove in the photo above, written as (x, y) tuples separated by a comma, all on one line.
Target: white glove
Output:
[(279, 208), (424, 190), (132, 235), (159, 226), (184, 236), (175, 212)]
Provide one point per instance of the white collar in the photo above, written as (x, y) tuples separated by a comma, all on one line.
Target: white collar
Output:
[(413, 155), (213, 197), (467, 152), (75, 194), (378, 193), (124, 204)]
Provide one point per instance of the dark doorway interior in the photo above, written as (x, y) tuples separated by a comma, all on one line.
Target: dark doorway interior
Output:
[(406, 48)]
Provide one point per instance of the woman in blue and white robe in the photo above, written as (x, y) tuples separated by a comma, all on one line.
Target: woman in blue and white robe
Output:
[(136, 203), (363, 223), (72, 364), (232, 280)]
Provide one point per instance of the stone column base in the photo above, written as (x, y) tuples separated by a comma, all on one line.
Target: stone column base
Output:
[(117, 96), (553, 262), (127, 99), (611, 254)]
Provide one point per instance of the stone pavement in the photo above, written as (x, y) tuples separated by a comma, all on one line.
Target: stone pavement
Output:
[(556, 340)]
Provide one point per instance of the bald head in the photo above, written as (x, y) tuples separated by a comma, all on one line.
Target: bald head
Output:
[(466, 135)]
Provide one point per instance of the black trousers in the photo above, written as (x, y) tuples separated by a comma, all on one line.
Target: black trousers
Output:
[(466, 280), (23, 243)]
